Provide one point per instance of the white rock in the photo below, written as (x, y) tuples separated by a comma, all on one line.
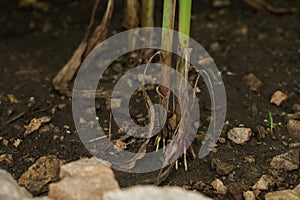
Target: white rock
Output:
[(219, 187), (153, 193), (263, 183), (84, 179), (10, 190), (249, 195), (239, 135)]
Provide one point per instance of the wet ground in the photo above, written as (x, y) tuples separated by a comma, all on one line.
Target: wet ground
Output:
[(36, 43)]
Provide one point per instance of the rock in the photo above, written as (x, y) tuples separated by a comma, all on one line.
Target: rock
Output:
[(254, 109), (249, 159), (219, 187), (297, 188), (241, 31), (6, 158), (153, 193), (261, 132), (278, 97), (34, 4), (83, 179), (215, 47), (253, 82), (294, 145), (263, 183), (39, 198), (287, 161), (235, 190), (45, 170), (118, 68), (10, 190), (222, 140), (293, 116), (239, 135), (221, 3), (199, 185), (249, 195), (293, 127), (221, 167), (284, 195), (296, 107)]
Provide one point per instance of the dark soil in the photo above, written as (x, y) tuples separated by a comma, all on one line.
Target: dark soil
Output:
[(35, 44)]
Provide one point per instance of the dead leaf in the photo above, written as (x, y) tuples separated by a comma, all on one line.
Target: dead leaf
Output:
[(241, 31), (35, 124), (120, 144), (263, 6), (172, 122), (17, 142), (5, 142), (12, 98), (6, 158), (66, 74)]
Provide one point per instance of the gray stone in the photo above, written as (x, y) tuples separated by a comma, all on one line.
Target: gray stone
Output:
[(219, 187), (261, 132), (253, 82), (239, 135), (221, 167), (283, 195), (293, 127), (287, 161), (263, 183), (153, 193), (235, 190), (83, 180), (249, 195), (10, 190)]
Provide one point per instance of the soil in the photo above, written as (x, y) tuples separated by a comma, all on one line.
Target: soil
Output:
[(36, 43)]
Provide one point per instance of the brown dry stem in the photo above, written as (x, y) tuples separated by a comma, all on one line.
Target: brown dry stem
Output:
[(65, 75), (264, 6)]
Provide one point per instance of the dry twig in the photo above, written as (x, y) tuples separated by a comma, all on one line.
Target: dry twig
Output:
[(263, 6), (66, 74)]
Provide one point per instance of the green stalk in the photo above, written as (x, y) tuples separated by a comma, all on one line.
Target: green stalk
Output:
[(167, 43), (147, 13), (169, 9), (185, 8), (131, 19), (131, 16), (147, 20), (271, 123)]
